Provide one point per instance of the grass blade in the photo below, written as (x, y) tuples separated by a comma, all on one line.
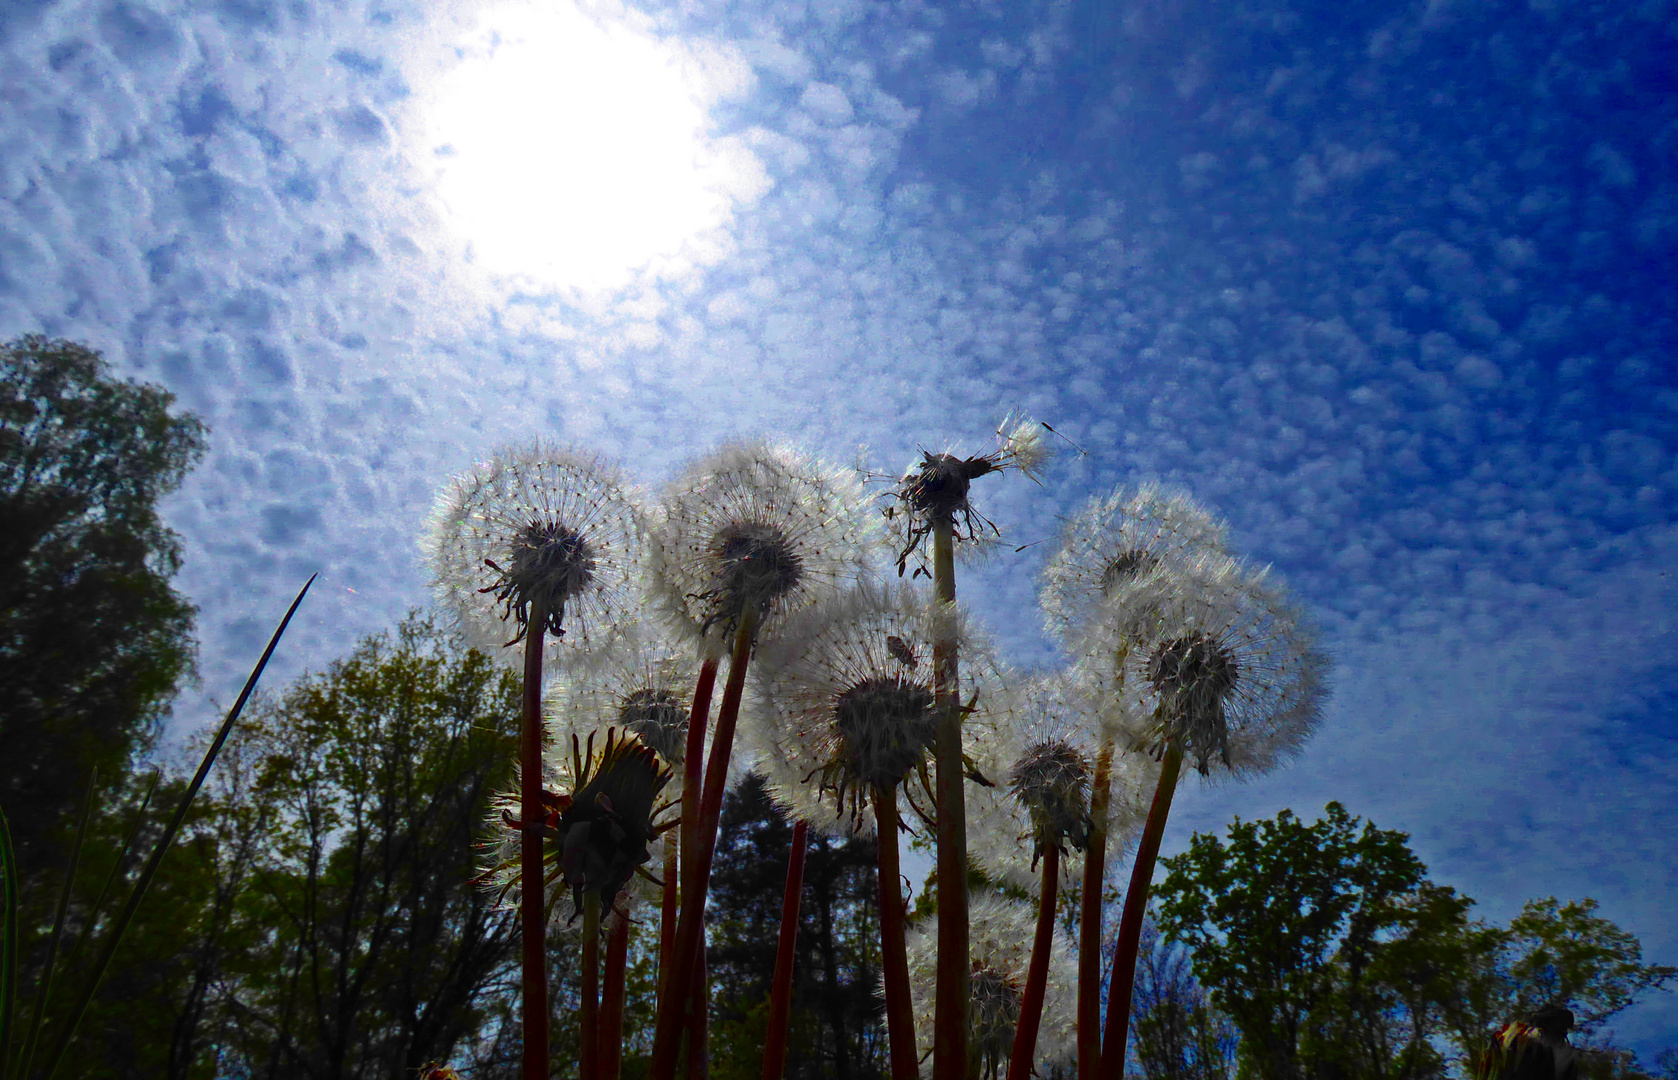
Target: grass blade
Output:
[(168, 838), (8, 947), (43, 987)]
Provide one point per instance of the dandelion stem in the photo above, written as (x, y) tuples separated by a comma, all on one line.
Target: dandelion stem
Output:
[(589, 1067), (780, 992), (534, 921), (613, 989), (894, 957), (690, 925), (699, 1015), (1089, 917), (667, 909), (949, 1047), (1119, 990), (1037, 974), (693, 767)]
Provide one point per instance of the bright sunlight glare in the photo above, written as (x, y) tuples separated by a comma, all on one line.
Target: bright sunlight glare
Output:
[(572, 148)]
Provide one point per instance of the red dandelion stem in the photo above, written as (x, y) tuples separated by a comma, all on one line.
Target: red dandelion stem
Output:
[(612, 994), (894, 958), (1089, 918), (667, 1032), (1119, 990), (531, 813), (780, 994), (1037, 974)]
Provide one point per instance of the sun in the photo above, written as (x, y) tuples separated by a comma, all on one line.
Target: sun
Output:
[(575, 149)]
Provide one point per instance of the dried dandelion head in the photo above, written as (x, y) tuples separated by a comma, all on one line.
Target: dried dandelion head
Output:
[(539, 528), (1045, 759), (757, 529), (847, 695), (1226, 670), (1115, 541), (643, 685), (1000, 938), (935, 489)]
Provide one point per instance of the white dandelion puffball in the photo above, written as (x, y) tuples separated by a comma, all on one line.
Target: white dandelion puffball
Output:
[(760, 528), (539, 525), (1114, 540), (846, 692), (1000, 933), (1042, 756), (1228, 671), (643, 684)]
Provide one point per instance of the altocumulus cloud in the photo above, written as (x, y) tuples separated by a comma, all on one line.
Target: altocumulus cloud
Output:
[(1386, 288)]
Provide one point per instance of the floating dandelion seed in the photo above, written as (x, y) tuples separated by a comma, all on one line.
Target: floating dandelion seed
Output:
[(1000, 938), (539, 528), (936, 488), (1114, 541), (757, 528)]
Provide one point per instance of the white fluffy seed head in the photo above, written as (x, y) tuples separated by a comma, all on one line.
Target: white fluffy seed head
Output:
[(1043, 755), (1116, 540), (1224, 668), (757, 527), (539, 525), (846, 701), (1000, 933), (643, 685)]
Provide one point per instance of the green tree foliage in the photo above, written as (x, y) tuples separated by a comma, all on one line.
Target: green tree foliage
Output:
[(1336, 957), (317, 917), (93, 639), (837, 1029), (1296, 898)]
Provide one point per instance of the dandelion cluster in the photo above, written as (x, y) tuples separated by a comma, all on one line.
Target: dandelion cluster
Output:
[(1180, 653)]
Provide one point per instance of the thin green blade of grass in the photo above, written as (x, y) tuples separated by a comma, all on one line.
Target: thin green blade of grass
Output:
[(168, 838), (43, 987), (8, 958)]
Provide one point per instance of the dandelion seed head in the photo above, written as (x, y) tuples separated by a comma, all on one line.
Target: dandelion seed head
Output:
[(847, 701), (538, 527), (936, 488), (1224, 669), (757, 528), (1126, 536), (1000, 934)]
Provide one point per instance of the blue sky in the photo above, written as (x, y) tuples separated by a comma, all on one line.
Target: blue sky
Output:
[(1386, 285)]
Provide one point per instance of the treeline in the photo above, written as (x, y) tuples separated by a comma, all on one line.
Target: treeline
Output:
[(318, 920)]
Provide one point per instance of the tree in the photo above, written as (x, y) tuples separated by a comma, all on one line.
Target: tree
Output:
[(373, 780), (1296, 898), (93, 639), (1176, 1031), (837, 1029)]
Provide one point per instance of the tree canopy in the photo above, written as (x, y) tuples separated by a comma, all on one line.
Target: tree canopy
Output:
[(93, 638)]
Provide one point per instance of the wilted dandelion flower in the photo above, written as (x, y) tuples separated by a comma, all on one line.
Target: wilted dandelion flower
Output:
[(936, 488), (1227, 672), (1000, 938), (605, 809), (1043, 755), (847, 689), (758, 528), (1115, 540), (539, 528)]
